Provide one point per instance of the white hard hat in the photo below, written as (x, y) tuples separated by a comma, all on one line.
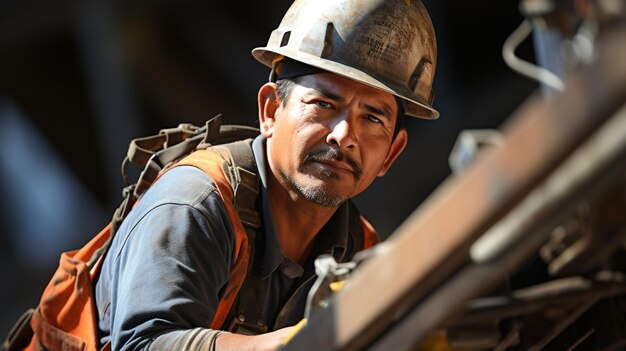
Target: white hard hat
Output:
[(387, 44)]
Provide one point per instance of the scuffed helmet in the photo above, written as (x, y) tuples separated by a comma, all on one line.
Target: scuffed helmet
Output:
[(386, 44)]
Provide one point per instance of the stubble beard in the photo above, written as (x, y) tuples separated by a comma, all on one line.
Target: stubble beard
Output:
[(323, 194), (320, 195)]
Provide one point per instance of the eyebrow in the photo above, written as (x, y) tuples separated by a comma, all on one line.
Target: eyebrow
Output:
[(328, 94), (382, 111)]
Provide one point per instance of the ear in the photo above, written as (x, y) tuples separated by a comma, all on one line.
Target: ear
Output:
[(397, 145), (268, 104)]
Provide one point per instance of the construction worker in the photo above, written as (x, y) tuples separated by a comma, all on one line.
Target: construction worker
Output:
[(344, 75)]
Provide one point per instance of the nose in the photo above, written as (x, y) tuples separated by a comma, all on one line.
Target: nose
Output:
[(342, 134)]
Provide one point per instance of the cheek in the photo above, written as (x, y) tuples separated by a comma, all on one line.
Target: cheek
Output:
[(309, 124), (295, 121), (291, 145), (374, 159), (308, 132)]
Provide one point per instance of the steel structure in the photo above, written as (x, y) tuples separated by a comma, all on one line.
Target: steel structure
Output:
[(554, 190)]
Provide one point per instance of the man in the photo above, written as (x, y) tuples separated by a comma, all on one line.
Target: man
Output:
[(344, 74)]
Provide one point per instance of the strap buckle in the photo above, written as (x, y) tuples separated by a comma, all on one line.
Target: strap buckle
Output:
[(240, 325)]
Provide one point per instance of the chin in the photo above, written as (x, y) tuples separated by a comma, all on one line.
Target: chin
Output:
[(321, 192)]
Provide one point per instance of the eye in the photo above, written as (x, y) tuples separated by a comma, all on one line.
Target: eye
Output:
[(373, 119), (323, 104)]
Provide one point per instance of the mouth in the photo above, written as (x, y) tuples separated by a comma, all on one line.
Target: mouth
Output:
[(336, 166), (333, 161)]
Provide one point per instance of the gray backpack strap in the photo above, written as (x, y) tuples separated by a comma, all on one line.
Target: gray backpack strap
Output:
[(240, 168), (246, 317)]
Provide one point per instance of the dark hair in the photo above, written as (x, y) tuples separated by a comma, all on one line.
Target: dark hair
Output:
[(285, 86)]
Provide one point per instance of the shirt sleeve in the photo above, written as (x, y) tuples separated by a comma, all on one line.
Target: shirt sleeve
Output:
[(169, 270)]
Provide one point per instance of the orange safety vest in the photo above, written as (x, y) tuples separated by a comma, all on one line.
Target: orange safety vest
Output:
[(66, 317)]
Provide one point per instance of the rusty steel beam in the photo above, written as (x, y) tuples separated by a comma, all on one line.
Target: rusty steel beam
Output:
[(433, 243)]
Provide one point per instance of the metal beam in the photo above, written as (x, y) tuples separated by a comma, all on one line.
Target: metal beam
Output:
[(433, 244)]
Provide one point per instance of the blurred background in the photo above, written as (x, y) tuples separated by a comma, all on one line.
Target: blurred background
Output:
[(80, 79)]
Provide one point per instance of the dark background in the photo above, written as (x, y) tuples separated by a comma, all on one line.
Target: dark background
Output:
[(79, 79)]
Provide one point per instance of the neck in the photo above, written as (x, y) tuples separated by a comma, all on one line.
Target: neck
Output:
[(296, 220)]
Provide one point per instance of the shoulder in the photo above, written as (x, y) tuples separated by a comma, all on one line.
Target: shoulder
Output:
[(182, 207), (183, 185)]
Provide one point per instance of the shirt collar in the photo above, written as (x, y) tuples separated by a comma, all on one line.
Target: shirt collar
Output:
[(333, 238)]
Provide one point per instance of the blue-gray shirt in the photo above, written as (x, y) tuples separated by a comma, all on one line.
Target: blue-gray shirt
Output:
[(169, 263)]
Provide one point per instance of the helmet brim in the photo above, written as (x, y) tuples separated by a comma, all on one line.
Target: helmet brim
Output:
[(416, 106)]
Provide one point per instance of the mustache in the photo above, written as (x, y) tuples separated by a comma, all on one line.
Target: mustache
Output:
[(331, 154)]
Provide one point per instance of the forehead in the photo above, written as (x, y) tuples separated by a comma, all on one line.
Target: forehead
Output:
[(346, 88)]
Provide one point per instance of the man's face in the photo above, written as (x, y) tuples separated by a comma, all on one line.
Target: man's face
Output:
[(331, 138)]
